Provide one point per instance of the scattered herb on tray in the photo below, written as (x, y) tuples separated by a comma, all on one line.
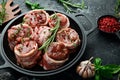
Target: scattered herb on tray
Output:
[(67, 4), (33, 5), (2, 12), (52, 37), (103, 71)]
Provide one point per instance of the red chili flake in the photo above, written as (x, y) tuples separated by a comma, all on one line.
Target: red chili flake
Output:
[(108, 24)]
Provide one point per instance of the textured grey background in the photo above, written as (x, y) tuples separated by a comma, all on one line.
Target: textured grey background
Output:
[(99, 44)]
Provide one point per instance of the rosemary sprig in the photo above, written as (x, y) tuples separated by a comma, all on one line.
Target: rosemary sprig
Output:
[(52, 37), (67, 4), (2, 12), (117, 6)]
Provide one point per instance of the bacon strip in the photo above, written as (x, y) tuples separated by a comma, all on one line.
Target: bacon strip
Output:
[(55, 56), (50, 64)]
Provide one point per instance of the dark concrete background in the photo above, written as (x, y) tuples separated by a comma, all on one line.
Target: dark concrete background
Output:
[(99, 44)]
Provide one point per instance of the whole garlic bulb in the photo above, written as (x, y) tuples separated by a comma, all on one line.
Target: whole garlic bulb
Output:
[(86, 69)]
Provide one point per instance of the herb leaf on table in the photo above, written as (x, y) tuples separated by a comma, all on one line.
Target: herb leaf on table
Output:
[(2, 12), (33, 5), (67, 4), (117, 6), (105, 71)]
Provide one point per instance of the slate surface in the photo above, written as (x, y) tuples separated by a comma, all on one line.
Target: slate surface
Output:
[(99, 44)]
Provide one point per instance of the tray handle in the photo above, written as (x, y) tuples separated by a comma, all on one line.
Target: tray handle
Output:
[(118, 34), (90, 22), (6, 64)]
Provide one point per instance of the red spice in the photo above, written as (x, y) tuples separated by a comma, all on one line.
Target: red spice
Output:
[(108, 24)]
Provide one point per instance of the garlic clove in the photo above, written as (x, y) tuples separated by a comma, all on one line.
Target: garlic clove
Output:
[(85, 74), (93, 72), (89, 73), (78, 69), (81, 71)]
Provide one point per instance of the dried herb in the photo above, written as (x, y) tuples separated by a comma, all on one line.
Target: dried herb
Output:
[(16, 32), (52, 37), (68, 5), (108, 24), (2, 12), (33, 5), (105, 71), (28, 32)]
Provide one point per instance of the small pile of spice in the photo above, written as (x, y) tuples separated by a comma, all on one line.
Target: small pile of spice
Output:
[(108, 24)]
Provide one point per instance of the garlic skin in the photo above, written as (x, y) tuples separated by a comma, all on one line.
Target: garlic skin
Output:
[(86, 69)]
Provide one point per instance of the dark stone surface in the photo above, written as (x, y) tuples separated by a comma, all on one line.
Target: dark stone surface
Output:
[(99, 44)]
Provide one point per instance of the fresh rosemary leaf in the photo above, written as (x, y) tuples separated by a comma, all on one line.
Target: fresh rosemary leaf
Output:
[(67, 4), (2, 12), (117, 6)]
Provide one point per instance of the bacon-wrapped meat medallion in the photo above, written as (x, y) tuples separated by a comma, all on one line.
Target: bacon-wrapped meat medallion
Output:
[(41, 34), (64, 21), (26, 38), (18, 34), (27, 54), (36, 18), (69, 37), (55, 56)]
